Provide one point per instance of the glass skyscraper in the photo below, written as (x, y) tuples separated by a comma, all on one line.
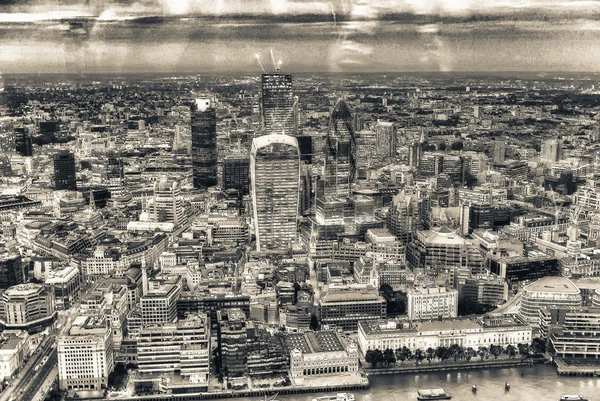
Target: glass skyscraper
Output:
[(277, 103), (275, 188), (64, 171), (340, 162), (204, 144)]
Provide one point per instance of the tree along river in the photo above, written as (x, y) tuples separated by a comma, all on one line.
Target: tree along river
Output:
[(536, 383)]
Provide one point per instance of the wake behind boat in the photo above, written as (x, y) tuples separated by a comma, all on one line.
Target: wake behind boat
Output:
[(432, 394), (337, 397)]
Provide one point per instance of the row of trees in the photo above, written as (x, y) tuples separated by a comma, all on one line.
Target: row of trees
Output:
[(454, 352)]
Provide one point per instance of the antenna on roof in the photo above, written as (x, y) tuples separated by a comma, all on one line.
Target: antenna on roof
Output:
[(259, 63), (273, 59)]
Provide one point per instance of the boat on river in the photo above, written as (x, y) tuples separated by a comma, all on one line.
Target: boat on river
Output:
[(432, 394), (337, 397), (571, 397)]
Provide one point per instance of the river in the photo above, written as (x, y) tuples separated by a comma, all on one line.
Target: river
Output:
[(539, 383)]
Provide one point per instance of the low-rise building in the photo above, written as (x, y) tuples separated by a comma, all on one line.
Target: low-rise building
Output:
[(467, 332), (27, 306), (344, 307), (320, 354)]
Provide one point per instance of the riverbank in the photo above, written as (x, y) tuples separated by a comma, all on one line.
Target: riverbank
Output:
[(450, 366)]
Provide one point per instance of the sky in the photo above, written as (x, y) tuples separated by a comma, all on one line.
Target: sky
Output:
[(212, 36)]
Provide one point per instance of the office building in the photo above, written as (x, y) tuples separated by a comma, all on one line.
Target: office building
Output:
[(159, 306), (115, 174), (28, 305), (65, 283), (64, 171), (551, 150), (11, 269), (236, 174), (572, 331), (431, 303), (183, 347), (522, 268), (23, 145), (431, 164), (166, 205), (85, 354), (340, 162), (277, 104), (275, 186), (414, 155), (14, 351), (344, 307), (386, 139), (481, 331), (204, 144), (403, 218), (547, 291), (499, 151), (232, 334)]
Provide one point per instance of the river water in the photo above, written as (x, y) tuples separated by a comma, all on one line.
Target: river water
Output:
[(538, 383)]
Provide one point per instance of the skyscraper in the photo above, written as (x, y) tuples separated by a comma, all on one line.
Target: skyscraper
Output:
[(236, 173), (23, 144), (552, 150), (278, 104), (499, 151), (204, 144), (340, 162), (414, 155), (115, 175), (275, 188), (64, 171), (386, 139), (166, 204)]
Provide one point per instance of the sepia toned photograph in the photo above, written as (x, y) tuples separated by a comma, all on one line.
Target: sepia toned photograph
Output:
[(300, 200)]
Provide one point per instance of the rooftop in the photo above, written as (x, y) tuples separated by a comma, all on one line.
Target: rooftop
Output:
[(553, 284)]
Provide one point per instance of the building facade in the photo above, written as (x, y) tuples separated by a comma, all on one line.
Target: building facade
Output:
[(431, 303), (275, 177), (64, 171), (204, 144), (277, 104)]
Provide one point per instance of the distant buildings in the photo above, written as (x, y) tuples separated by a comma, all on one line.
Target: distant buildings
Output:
[(552, 150), (431, 303), (23, 145), (204, 144), (85, 354), (386, 139), (277, 104), (499, 151), (275, 175), (64, 171)]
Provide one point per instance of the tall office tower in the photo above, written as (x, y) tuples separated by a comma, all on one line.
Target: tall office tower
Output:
[(166, 204), (499, 151), (552, 150), (275, 188), (23, 144), (404, 216), (236, 173), (232, 336), (11, 269), (204, 144), (64, 171), (340, 161), (1, 82), (386, 139), (277, 104), (414, 155), (115, 174), (85, 354)]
